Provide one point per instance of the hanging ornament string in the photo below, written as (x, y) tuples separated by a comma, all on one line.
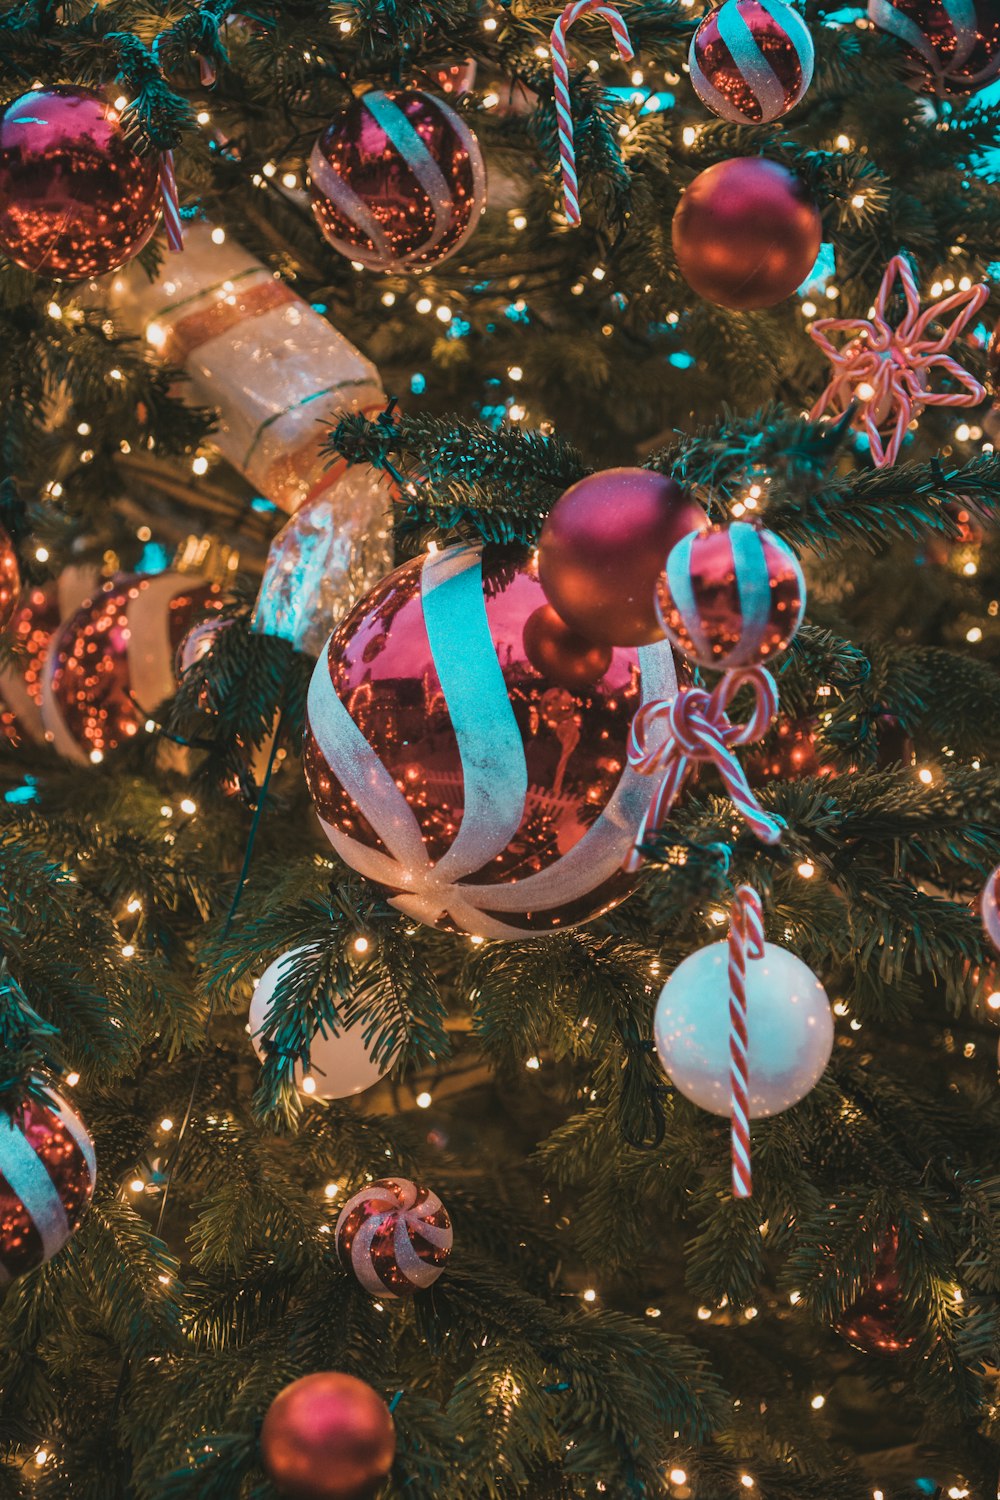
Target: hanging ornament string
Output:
[(666, 737), (560, 79), (746, 940)]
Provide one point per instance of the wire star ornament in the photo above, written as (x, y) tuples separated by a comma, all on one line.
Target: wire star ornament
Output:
[(887, 370)]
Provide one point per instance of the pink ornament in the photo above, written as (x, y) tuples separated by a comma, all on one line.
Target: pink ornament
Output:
[(751, 61), (952, 47), (395, 1236), (199, 641), (990, 907)]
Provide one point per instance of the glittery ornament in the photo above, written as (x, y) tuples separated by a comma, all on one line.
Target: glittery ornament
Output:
[(951, 47), (395, 1236), (10, 580), (751, 61), (35, 619), (112, 663), (746, 233), (327, 1436), (75, 199), (447, 767), (872, 1321), (47, 1175), (732, 596), (397, 180)]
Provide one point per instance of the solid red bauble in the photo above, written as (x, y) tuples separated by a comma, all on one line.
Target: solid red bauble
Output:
[(951, 47), (562, 655), (47, 1175), (75, 199), (751, 61), (10, 580), (746, 233), (395, 1235), (327, 1436), (603, 546), (872, 1321), (447, 766), (397, 180)]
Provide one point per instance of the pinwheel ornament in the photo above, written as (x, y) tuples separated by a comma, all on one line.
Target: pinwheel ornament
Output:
[(887, 369)]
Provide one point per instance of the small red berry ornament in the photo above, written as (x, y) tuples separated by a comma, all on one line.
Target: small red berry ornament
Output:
[(872, 1322), (751, 61), (561, 653), (75, 199), (47, 1175), (328, 1436), (603, 546), (395, 1235), (733, 596), (951, 47)]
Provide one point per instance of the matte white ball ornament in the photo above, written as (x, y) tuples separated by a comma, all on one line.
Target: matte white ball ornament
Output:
[(340, 1064), (789, 1021)]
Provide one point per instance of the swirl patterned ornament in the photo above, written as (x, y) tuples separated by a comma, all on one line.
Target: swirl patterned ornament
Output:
[(395, 1236), (446, 766), (47, 1175), (751, 61), (952, 47), (397, 181)]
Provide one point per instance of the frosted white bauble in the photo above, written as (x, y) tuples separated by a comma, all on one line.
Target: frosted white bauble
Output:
[(789, 1023), (339, 1065)]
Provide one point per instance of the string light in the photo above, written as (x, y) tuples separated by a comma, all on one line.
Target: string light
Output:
[(746, 1481), (218, 236), (424, 1100), (166, 1123), (199, 465), (589, 1295), (128, 951), (388, 299), (332, 1189), (974, 635), (41, 554), (309, 1084), (925, 775), (807, 869), (41, 1456), (72, 1079), (188, 806), (750, 1313), (703, 1314), (677, 1476), (424, 305), (795, 1298), (136, 1185), (534, 1063), (817, 1403), (361, 945), (654, 1312)]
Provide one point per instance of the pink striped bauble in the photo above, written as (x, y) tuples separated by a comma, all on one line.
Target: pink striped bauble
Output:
[(990, 907), (47, 1175), (751, 61), (397, 180), (732, 596), (487, 796), (952, 47), (395, 1236)]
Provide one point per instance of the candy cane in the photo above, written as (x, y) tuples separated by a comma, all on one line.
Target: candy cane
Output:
[(560, 78), (746, 940), (171, 203)]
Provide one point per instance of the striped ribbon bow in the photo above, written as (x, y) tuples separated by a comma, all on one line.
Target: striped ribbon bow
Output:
[(746, 940), (560, 80), (696, 726)]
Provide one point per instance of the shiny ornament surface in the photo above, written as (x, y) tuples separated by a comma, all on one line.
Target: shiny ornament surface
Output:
[(339, 1065), (733, 596), (327, 1436), (112, 662), (75, 199), (751, 61), (397, 180), (789, 1021), (872, 1322), (47, 1175), (993, 364), (603, 546), (791, 754), (446, 766), (746, 233), (990, 908), (395, 1235), (951, 47), (561, 653), (10, 580), (198, 642), (35, 619)]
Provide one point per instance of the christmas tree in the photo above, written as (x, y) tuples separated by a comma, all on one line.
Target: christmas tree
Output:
[(347, 1146)]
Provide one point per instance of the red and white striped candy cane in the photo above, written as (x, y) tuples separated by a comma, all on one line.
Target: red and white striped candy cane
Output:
[(746, 940), (170, 202), (560, 78)]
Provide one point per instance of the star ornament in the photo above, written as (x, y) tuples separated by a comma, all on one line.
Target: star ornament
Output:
[(888, 370)]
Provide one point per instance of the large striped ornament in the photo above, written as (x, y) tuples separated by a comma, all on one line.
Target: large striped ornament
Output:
[(395, 1236), (952, 47), (112, 662), (47, 1176), (732, 596), (751, 61), (443, 764), (397, 180), (990, 908)]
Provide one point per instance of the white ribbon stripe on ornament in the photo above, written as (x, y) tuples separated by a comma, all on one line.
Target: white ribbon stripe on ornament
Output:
[(753, 587), (409, 1215), (28, 1179), (962, 15), (494, 771), (751, 62)]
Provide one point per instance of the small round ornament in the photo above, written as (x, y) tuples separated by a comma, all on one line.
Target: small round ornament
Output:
[(993, 364), (75, 199), (746, 233), (951, 47), (397, 180), (198, 642), (872, 1322), (602, 547), (328, 1436), (35, 620), (10, 580), (561, 654), (751, 61), (395, 1236), (47, 1175), (990, 907), (112, 663), (789, 1021), (732, 596), (338, 1064), (446, 766)]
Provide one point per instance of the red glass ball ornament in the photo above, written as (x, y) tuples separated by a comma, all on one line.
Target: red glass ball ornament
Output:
[(47, 1176), (603, 546), (950, 48), (75, 199), (112, 662), (395, 1235), (10, 580), (732, 596), (446, 766), (751, 61), (397, 180), (871, 1323), (198, 642), (327, 1436), (746, 233), (561, 654)]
